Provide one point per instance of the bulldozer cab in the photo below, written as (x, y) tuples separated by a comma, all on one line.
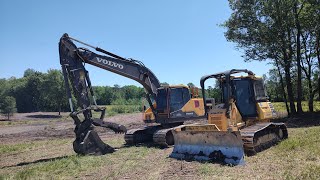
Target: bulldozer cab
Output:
[(170, 99), (242, 90), (245, 90)]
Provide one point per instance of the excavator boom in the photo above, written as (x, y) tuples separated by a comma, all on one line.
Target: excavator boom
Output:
[(72, 60)]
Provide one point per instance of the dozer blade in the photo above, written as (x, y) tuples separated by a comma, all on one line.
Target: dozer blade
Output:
[(207, 143), (92, 145)]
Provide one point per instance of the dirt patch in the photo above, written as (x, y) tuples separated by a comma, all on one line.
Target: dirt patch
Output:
[(51, 127), (44, 116), (34, 115)]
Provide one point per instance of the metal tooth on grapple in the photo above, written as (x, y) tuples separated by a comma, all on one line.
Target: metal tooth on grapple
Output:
[(92, 145), (213, 146)]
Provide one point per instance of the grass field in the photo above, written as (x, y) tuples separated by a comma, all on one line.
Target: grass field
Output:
[(295, 158), (38, 148), (281, 106)]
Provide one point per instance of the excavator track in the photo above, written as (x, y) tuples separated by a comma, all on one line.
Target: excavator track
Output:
[(163, 137), (261, 136), (159, 135), (136, 136)]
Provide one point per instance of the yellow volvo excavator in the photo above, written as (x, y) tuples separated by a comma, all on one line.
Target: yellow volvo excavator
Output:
[(170, 106), (239, 124)]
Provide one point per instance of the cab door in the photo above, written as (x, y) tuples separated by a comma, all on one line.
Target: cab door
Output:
[(178, 98), (245, 97)]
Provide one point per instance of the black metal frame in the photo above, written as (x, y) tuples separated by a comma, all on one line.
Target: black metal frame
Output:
[(223, 75)]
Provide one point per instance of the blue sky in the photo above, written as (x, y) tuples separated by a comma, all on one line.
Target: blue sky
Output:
[(179, 40)]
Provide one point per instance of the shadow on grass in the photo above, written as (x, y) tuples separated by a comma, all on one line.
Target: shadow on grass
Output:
[(36, 161), (145, 144), (305, 119), (44, 116)]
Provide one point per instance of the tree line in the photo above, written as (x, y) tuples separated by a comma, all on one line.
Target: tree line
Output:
[(287, 33), (37, 91)]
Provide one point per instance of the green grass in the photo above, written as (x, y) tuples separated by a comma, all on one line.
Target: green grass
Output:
[(57, 169), (20, 147), (75, 166), (281, 106), (297, 157), (301, 140), (113, 110)]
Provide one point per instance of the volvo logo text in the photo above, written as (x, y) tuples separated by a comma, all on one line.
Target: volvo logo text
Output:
[(110, 63)]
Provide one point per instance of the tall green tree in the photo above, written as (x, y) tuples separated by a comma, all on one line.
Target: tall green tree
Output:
[(8, 106), (190, 84), (52, 93), (273, 30)]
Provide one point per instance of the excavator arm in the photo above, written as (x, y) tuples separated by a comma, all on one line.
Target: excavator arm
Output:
[(72, 60)]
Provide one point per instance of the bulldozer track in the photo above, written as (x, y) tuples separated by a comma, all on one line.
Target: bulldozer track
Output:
[(261, 136)]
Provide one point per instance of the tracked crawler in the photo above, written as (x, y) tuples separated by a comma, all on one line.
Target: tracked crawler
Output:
[(169, 106), (238, 124)]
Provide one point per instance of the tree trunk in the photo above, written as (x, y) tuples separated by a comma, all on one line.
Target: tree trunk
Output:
[(318, 57), (299, 86), (289, 89), (287, 64), (311, 95), (8, 116), (282, 86), (59, 109)]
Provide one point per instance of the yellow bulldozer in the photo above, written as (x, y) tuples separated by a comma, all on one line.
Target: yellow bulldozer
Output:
[(238, 122)]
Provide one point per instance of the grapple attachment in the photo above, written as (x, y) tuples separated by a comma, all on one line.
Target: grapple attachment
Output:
[(87, 140), (91, 145), (207, 143)]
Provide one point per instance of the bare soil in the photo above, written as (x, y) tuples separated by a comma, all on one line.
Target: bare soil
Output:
[(24, 127)]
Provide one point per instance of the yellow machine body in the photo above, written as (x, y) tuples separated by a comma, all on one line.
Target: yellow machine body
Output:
[(194, 107), (228, 134)]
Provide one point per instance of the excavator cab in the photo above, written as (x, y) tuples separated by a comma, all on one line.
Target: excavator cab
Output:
[(174, 104), (170, 99)]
